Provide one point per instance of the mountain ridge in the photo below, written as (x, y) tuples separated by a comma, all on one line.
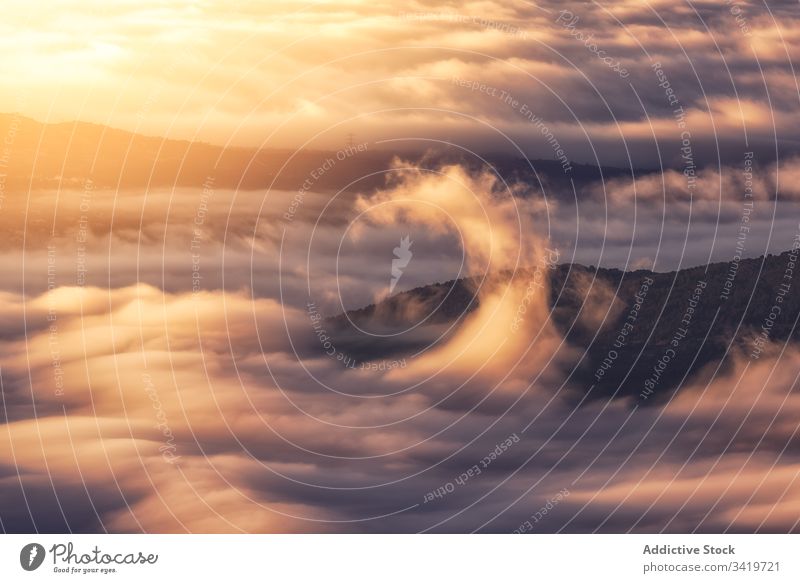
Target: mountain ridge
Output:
[(46, 155), (690, 317)]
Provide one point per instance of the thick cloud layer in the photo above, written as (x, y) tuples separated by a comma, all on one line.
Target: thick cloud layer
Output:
[(214, 404)]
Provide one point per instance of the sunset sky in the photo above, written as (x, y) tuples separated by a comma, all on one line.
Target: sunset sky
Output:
[(278, 74)]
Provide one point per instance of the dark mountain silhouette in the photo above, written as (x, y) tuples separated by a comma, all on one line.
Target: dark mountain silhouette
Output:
[(687, 320)]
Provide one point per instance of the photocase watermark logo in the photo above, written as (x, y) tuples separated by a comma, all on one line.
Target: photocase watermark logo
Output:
[(403, 256), (31, 556), (69, 560)]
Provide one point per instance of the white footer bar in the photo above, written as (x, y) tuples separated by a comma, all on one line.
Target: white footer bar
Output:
[(400, 558)]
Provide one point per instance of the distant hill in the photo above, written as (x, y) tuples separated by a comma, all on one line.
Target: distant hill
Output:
[(727, 316), (49, 155)]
